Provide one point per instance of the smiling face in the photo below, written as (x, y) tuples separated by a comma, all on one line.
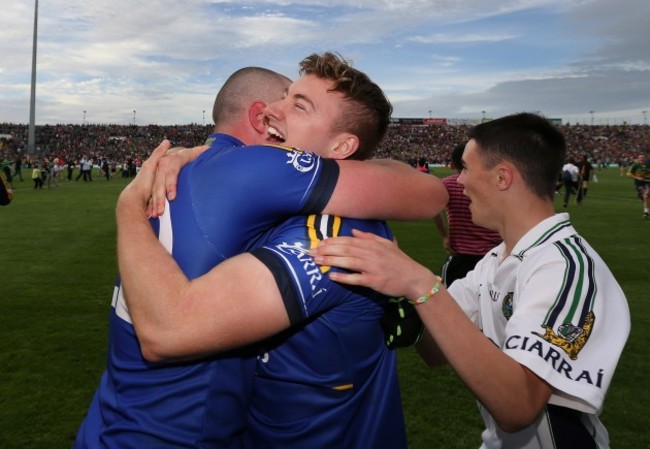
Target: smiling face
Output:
[(304, 117), (479, 186)]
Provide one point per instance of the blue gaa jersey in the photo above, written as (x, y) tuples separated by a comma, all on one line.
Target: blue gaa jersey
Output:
[(329, 381), (226, 198)]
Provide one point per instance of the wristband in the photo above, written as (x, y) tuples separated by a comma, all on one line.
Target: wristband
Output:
[(424, 298)]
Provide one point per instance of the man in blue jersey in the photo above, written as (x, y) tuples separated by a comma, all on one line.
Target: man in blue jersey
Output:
[(329, 375), (227, 197)]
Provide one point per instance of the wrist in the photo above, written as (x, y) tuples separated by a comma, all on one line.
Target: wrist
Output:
[(130, 203), (425, 289)]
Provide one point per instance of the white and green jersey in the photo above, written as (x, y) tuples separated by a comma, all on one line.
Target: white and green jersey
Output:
[(555, 307)]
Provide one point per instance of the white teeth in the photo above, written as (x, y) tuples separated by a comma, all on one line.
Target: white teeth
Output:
[(275, 133)]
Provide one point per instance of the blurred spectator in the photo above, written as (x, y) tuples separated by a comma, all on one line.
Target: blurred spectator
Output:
[(571, 180), (586, 175), (640, 172), (70, 166), (423, 165), (18, 167), (37, 177)]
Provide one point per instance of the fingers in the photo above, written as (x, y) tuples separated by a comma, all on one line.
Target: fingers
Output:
[(333, 247), (348, 278), (164, 185), (355, 254), (157, 154), (141, 185), (373, 262), (198, 150), (155, 206), (150, 209), (362, 246), (367, 235), (166, 181)]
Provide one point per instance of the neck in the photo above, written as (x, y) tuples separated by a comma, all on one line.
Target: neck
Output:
[(524, 219)]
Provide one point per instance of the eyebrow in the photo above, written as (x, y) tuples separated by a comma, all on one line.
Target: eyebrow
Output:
[(302, 97), (306, 100)]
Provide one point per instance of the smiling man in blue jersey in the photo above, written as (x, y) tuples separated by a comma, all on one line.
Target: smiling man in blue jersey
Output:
[(329, 380), (227, 199)]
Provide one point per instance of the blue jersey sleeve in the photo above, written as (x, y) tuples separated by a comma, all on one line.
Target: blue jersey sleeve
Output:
[(241, 192), (305, 287)]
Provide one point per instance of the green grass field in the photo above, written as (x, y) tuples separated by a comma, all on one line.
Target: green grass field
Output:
[(57, 274)]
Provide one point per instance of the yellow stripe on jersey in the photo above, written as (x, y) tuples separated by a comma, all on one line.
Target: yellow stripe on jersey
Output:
[(282, 147), (321, 227)]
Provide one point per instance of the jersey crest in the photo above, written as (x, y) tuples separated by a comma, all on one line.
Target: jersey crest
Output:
[(506, 305), (571, 339), (303, 162)]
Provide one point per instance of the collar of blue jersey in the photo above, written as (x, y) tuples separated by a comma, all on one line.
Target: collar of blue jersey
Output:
[(222, 139)]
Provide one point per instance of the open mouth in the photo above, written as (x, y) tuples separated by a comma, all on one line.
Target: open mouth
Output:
[(275, 135)]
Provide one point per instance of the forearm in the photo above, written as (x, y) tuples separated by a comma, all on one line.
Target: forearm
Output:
[(386, 189), (512, 394), (429, 351), (236, 303), (152, 281)]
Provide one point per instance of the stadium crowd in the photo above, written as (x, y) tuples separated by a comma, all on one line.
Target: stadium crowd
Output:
[(602, 144), (407, 141)]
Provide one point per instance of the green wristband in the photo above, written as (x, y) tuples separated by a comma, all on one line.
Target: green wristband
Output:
[(424, 298)]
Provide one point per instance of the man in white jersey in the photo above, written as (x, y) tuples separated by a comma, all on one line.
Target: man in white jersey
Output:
[(537, 328)]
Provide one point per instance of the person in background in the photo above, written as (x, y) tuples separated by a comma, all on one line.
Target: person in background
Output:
[(70, 164), (18, 167), (423, 165), (570, 179), (640, 172), (55, 171), (586, 173), (37, 176)]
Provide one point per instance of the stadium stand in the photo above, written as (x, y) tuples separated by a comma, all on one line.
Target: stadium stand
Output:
[(407, 140)]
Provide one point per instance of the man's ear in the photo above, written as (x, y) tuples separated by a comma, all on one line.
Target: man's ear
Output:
[(505, 175), (345, 146), (256, 116)]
